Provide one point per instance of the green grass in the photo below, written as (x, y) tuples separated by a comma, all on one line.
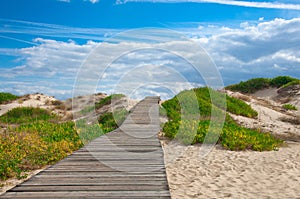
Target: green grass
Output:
[(282, 81), (5, 97), (34, 139), (34, 145), (295, 82), (108, 100), (238, 138), (88, 132), (105, 101), (195, 130), (239, 107), (289, 107), (111, 121), (87, 110), (256, 84), (22, 115), (107, 122), (203, 97)]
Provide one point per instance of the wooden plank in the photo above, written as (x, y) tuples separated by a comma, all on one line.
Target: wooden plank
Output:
[(92, 182), (102, 187), (98, 169), (90, 194)]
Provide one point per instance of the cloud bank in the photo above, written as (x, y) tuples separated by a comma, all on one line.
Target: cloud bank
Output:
[(92, 1), (267, 48), (253, 4)]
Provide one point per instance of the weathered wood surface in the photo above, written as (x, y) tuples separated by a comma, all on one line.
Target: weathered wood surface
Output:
[(126, 163)]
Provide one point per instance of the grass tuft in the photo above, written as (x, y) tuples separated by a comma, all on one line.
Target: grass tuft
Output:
[(289, 107)]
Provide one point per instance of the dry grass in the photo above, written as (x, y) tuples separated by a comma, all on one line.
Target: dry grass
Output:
[(288, 136), (292, 120), (59, 105), (244, 98)]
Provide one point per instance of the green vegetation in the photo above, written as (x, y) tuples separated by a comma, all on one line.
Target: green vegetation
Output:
[(203, 96), (239, 107), (194, 130), (105, 101), (87, 131), (35, 137), (5, 97), (253, 85), (295, 82), (235, 137), (21, 115), (250, 86), (107, 122), (289, 107), (108, 100), (34, 142), (282, 81), (87, 110), (111, 121)]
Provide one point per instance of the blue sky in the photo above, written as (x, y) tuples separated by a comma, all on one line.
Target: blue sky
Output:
[(43, 43)]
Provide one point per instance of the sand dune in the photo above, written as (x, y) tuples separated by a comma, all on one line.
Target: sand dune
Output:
[(245, 174), (228, 174)]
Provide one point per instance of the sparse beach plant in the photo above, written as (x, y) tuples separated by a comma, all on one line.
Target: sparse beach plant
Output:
[(289, 107)]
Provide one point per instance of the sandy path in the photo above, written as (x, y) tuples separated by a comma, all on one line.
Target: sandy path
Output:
[(228, 174)]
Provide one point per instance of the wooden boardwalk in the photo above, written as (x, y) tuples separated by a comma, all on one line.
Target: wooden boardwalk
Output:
[(126, 163)]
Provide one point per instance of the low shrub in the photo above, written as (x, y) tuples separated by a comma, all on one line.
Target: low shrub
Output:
[(88, 131), (111, 121), (185, 101), (108, 100), (232, 136), (195, 130), (238, 138), (250, 86), (282, 81), (21, 115), (256, 84), (295, 82), (5, 97), (239, 107), (31, 146)]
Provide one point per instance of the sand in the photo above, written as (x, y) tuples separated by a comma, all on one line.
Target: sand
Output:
[(12, 182), (229, 174), (270, 115), (32, 100), (246, 174)]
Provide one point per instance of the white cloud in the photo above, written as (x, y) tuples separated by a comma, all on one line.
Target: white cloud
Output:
[(58, 63), (255, 49), (17, 27), (254, 4), (267, 48), (92, 1)]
